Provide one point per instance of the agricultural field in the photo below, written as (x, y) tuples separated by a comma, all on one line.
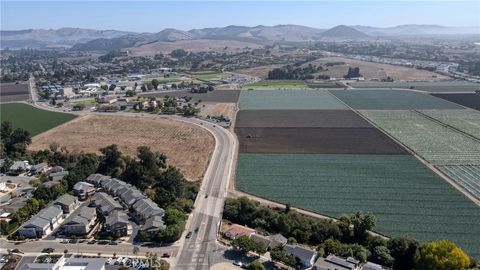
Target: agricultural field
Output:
[(430, 86), (300, 118), (467, 121), (289, 100), (322, 84), (274, 84), (466, 176), (207, 76), (431, 140), (214, 96), (32, 119), (406, 197), (316, 140), (470, 100), (217, 109), (10, 92), (186, 146), (382, 99)]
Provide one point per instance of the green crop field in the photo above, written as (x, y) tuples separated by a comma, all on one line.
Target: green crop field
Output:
[(285, 84), (32, 119), (467, 121), (433, 141), (289, 100), (381, 99), (466, 176), (434, 87), (406, 197)]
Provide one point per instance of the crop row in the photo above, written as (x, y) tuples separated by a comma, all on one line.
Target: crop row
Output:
[(436, 143), (467, 121), (467, 176)]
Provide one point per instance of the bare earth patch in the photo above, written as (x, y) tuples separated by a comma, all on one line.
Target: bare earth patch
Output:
[(217, 109), (377, 71), (187, 146), (260, 71)]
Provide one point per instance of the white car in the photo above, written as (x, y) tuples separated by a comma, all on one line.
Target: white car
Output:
[(237, 263), (64, 241)]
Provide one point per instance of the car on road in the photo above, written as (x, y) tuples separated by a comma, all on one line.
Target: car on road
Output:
[(48, 250), (64, 241), (73, 241), (189, 234), (113, 243), (166, 255), (206, 196), (196, 229), (103, 242), (4, 260), (91, 242)]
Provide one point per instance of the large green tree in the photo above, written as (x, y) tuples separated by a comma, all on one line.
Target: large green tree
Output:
[(441, 255), (403, 250), (255, 265)]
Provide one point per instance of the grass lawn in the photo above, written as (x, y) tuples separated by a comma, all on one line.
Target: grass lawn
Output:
[(86, 102), (32, 119), (281, 84), (209, 76), (405, 196)]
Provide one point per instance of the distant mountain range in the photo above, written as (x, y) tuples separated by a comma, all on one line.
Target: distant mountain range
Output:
[(107, 40)]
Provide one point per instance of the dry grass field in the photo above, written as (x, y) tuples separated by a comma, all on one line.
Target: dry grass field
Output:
[(89, 133), (260, 71), (377, 71), (217, 109)]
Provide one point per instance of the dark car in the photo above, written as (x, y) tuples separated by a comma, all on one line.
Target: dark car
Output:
[(196, 229), (102, 242), (73, 241), (189, 234), (113, 243), (48, 250), (166, 255), (91, 242)]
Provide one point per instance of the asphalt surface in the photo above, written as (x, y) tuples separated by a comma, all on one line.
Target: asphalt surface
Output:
[(196, 252)]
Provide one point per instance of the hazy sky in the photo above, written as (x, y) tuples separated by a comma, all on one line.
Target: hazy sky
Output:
[(153, 16)]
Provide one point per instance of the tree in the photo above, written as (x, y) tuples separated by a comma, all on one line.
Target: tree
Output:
[(255, 265), (155, 83), (15, 141), (353, 73), (112, 162), (245, 245), (361, 224), (381, 255), (79, 106), (104, 87), (403, 250), (441, 255), (129, 93)]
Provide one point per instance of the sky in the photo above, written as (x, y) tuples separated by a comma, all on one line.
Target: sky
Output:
[(153, 16)]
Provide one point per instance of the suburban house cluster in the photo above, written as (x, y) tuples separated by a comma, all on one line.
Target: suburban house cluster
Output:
[(305, 255), (144, 209)]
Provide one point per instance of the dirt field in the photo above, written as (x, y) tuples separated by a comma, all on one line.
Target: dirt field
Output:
[(89, 133), (14, 92), (215, 96), (316, 141), (467, 99), (376, 71), (300, 118), (217, 109), (198, 45)]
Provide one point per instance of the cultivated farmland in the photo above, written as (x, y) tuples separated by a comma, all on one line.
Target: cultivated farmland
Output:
[(316, 140), (274, 84), (300, 118), (186, 146), (467, 176), (14, 92), (431, 140), (470, 100), (406, 197), (434, 87), (289, 100), (32, 119), (467, 121), (382, 99)]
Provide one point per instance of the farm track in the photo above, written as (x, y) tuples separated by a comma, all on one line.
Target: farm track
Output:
[(443, 124)]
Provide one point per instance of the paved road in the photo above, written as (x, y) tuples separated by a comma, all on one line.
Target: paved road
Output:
[(196, 252)]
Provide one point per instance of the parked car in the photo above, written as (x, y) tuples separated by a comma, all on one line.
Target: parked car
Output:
[(48, 250), (91, 242), (113, 243), (189, 234), (167, 255)]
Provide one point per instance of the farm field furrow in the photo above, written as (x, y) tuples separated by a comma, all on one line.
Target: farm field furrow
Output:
[(470, 100), (289, 100), (316, 140), (32, 119), (214, 96), (10, 92), (467, 121), (405, 196), (434, 142), (466, 176), (381, 99), (438, 86), (300, 118)]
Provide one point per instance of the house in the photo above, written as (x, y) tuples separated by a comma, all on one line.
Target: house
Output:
[(153, 224), (83, 190), (131, 195), (236, 231), (333, 262), (372, 266), (145, 208), (271, 241), (67, 202), (82, 222), (68, 263), (105, 203), (19, 166), (97, 179), (39, 168), (117, 224), (43, 223), (57, 176), (305, 255)]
